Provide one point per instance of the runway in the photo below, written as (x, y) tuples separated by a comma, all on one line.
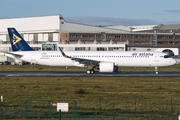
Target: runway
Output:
[(83, 74)]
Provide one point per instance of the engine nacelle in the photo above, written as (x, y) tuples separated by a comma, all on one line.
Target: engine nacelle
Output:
[(107, 67)]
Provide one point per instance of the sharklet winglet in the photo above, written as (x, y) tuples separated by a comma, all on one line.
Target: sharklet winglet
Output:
[(63, 53)]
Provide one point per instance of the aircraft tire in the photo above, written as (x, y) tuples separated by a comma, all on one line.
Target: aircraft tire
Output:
[(88, 72), (92, 71)]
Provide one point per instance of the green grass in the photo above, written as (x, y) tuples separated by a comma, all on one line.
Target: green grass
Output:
[(116, 93), (91, 87)]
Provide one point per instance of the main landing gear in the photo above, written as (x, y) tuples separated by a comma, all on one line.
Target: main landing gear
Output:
[(156, 70), (90, 71)]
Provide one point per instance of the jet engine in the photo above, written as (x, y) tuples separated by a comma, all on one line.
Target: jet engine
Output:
[(107, 67)]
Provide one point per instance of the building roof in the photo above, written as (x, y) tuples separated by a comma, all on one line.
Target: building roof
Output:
[(118, 27), (169, 27), (68, 27)]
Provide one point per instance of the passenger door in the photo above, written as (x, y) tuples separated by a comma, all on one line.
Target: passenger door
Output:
[(156, 57)]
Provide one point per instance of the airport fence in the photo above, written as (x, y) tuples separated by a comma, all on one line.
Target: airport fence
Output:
[(92, 108)]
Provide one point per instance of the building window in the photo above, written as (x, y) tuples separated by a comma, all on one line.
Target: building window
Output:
[(36, 48), (165, 42), (92, 36), (160, 42), (171, 37), (148, 42), (118, 36), (50, 37), (159, 37), (72, 36), (177, 42), (79, 48), (148, 49), (35, 37), (115, 48), (131, 42), (142, 42), (148, 37), (165, 37), (98, 36), (101, 49), (47, 47), (136, 42), (177, 37), (123, 36), (136, 37), (129, 37), (111, 36), (142, 37), (134, 49), (85, 36), (78, 36), (61, 18), (171, 42)]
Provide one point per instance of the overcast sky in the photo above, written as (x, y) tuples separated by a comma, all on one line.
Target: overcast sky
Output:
[(97, 12)]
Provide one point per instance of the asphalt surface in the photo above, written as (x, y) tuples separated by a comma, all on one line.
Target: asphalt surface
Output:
[(83, 74)]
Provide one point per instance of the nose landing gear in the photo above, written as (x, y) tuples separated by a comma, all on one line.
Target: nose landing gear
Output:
[(156, 70)]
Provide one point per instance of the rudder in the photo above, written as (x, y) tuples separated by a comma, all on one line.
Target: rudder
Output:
[(17, 42)]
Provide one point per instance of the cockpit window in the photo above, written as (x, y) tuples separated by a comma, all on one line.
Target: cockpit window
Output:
[(167, 56)]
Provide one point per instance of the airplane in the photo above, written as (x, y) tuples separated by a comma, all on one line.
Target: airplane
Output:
[(104, 61)]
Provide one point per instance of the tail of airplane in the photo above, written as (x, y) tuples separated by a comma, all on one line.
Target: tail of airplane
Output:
[(17, 42)]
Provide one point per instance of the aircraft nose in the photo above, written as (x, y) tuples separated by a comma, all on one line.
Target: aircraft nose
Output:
[(174, 61)]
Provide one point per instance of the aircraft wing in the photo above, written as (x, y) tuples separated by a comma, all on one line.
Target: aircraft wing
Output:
[(86, 62)]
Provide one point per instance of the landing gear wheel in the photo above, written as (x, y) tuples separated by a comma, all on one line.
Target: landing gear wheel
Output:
[(88, 72), (92, 71)]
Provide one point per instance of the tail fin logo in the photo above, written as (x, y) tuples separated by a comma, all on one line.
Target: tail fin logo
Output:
[(16, 39)]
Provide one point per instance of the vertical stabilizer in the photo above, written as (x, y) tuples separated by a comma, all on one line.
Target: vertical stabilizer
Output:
[(17, 42)]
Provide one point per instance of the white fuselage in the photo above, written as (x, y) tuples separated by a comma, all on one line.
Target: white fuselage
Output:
[(122, 59)]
